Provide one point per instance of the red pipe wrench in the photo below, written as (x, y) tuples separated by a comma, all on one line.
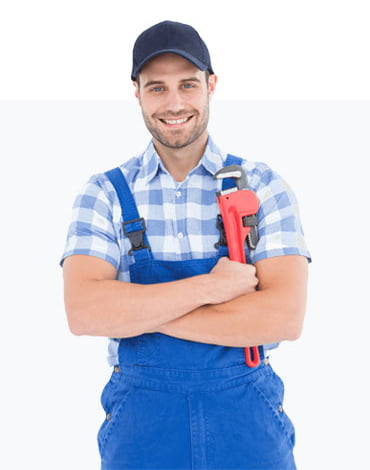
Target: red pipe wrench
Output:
[(238, 207)]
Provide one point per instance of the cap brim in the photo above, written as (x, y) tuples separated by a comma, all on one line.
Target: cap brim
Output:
[(201, 65)]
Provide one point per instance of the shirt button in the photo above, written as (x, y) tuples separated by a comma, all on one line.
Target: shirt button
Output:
[(116, 369), (180, 235), (108, 417), (280, 409), (178, 193)]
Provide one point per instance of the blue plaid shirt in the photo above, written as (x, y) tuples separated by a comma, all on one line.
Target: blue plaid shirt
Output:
[(180, 217)]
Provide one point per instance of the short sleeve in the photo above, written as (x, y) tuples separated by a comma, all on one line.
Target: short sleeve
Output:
[(279, 226), (92, 230)]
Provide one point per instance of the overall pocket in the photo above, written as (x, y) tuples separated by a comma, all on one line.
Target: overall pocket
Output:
[(270, 389), (113, 399)]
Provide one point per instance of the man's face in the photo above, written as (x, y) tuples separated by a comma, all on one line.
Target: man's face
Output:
[(174, 98)]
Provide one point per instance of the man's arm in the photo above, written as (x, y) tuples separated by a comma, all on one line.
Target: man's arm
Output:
[(99, 305), (273, 313)]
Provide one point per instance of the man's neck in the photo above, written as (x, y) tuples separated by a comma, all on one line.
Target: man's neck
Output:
[(179, 162)]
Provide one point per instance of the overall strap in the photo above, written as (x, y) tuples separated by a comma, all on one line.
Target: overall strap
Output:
[(133, 225)]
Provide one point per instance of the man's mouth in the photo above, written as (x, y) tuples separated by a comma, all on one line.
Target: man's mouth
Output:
[(176, 122)]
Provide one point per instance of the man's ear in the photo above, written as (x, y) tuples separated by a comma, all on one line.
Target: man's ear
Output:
[(137, 90), (212, 82)]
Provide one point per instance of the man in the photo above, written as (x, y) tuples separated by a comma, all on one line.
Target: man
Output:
[(141, 268)]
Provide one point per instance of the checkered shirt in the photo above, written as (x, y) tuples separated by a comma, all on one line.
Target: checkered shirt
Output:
[(180, 216)]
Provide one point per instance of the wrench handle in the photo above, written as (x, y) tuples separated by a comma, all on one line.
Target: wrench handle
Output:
[(252, 356), (233, 207)]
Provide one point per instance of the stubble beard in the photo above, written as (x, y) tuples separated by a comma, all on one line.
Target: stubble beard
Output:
[(182, 140)]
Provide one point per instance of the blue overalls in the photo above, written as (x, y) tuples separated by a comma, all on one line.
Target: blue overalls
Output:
[(176, 404)]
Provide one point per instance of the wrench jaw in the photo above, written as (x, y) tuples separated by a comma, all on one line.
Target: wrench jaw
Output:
[(223, 192), (236, 172)]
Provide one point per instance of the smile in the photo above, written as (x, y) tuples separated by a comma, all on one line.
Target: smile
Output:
[(174, 122)]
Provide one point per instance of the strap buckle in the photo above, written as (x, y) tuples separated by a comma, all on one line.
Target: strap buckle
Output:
[(135, 230), (220, 226)]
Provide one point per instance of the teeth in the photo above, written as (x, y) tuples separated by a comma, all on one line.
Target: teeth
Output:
[(175, 121)]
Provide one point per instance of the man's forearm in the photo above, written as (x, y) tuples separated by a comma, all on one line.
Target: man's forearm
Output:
[(99, 305), (230, 324), (118, 309), (241, 322), (272, 314)]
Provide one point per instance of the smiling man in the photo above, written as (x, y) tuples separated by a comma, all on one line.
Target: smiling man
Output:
[(142, 267), (184, 113), (174, 97)]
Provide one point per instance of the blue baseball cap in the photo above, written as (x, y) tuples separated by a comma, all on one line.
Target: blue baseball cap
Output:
[(170, 37)]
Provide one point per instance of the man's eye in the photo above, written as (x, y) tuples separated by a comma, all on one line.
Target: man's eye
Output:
[(157, 89), (188, 85)]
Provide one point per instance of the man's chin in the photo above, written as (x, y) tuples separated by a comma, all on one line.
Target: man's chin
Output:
[(176, 144), (177, 141)]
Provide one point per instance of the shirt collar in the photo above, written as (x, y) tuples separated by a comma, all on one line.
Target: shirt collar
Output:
[(211, 161), (151, 163)]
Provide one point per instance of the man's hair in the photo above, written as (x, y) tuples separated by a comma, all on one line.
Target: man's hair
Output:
[(206, 72)]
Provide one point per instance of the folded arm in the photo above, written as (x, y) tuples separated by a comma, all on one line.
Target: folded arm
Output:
[(273, 313), (99, 305)]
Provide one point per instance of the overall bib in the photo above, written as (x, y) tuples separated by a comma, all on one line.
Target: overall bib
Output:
[(179, 405)]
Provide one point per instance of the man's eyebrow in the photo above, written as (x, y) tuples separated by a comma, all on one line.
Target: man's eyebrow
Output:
[(161, 82), (153, 82), (191, 79)]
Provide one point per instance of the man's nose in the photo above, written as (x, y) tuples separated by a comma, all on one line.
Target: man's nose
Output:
[(175, 101)]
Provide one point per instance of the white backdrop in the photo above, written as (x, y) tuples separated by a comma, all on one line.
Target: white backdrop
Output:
[(70, 114)]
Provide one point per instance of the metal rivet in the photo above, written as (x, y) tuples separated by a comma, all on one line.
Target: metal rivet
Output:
[(108, 417), (116, 369)]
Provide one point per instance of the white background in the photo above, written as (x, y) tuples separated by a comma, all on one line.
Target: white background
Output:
[(293, 85)]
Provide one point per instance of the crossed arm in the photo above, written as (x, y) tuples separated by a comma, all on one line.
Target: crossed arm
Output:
[(222, 307), (273, 313)]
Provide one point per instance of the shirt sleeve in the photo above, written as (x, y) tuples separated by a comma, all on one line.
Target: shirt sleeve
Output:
[(279, 226), (92, 230)]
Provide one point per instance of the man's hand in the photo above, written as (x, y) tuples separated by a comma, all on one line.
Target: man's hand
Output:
[(231, 279)]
